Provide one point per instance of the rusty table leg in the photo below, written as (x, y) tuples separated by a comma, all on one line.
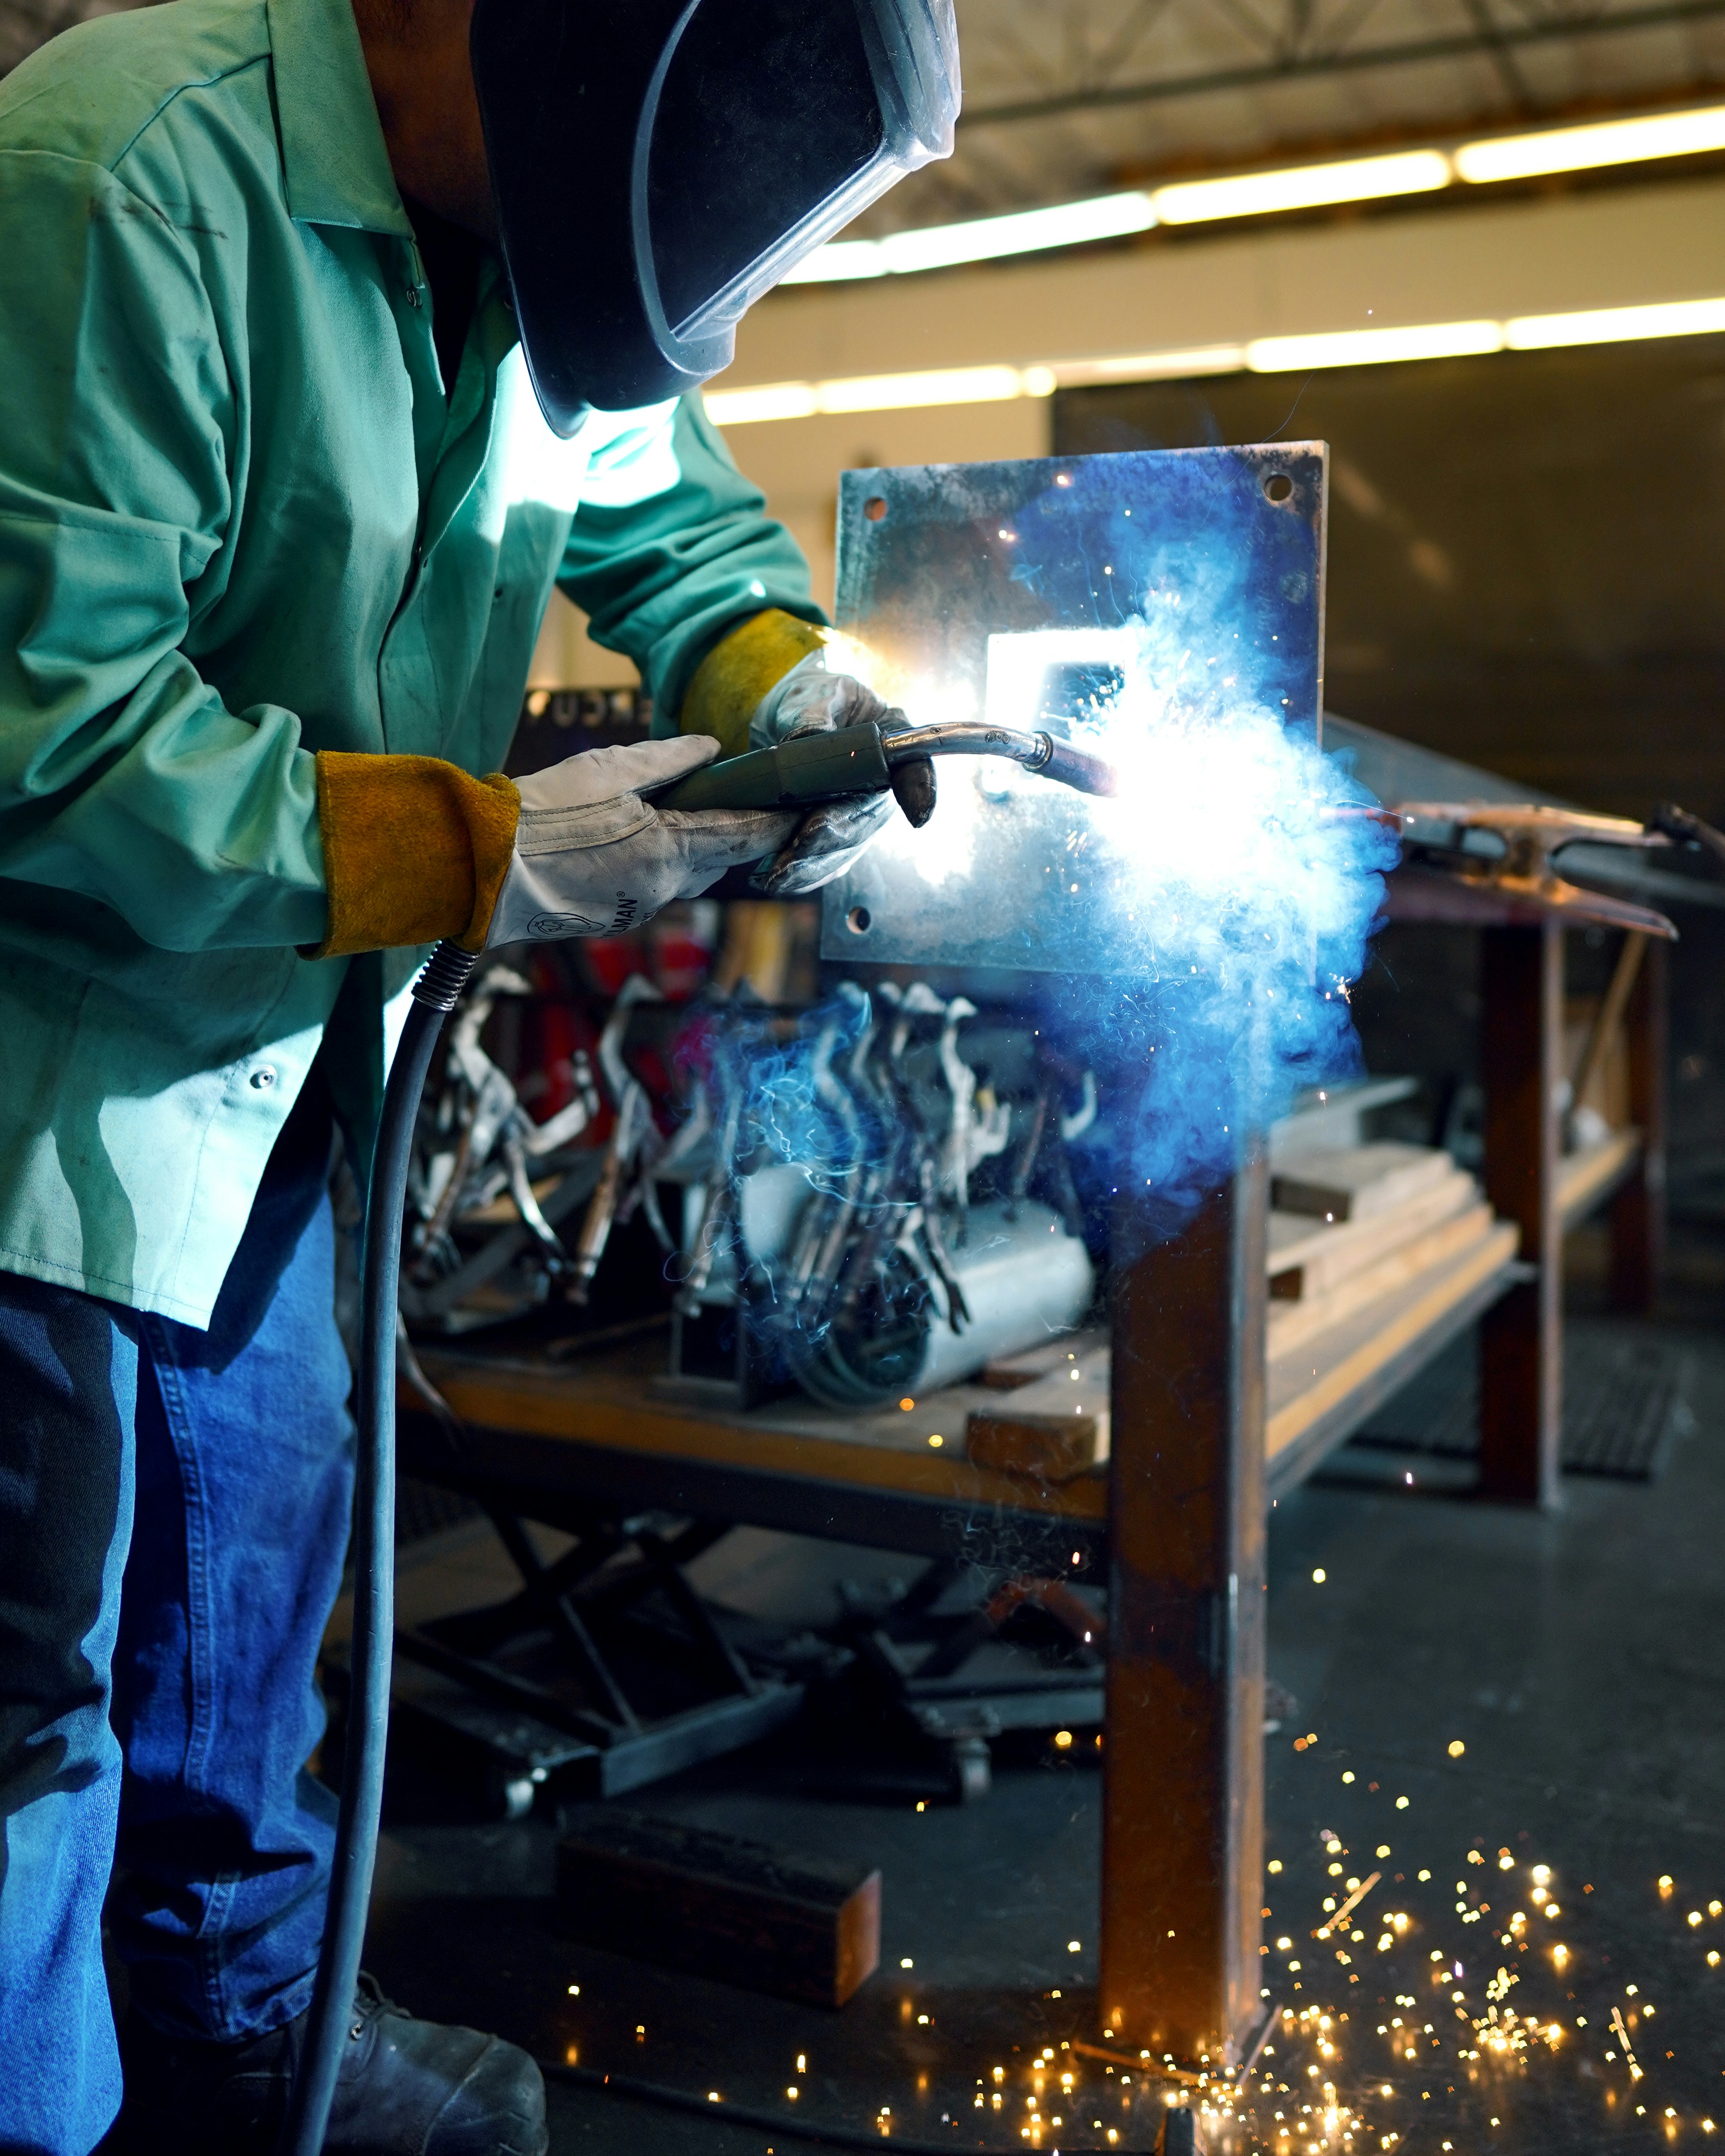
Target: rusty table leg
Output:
[(1638, 1210), (1521, 1348), (1183, 1835)]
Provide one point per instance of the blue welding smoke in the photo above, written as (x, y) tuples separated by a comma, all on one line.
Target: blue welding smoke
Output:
[(1245, 874), (797, 1105), (1241, 873)]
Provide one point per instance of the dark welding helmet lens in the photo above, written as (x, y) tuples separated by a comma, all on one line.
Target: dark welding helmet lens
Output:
[(791, 73), (658, 164)]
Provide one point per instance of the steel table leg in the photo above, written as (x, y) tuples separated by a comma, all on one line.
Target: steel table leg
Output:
[(1184, 1753), (1638, 1210), (1520, 1337)]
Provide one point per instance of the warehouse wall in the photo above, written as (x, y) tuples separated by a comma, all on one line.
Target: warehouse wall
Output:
[(1459, 261), (1526, 551), (1127, 314)]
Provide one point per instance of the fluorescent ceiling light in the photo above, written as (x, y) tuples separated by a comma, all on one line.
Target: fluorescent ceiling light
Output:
[(839, 261), (1602, 142), (892, 393), (1615, 325), (1153, 366), (1264, 193), (1025, 232), (1365, 347), (878, 393), (1301, 186), (978, 240), (1114, 216), (772, 400), (1283, 355)]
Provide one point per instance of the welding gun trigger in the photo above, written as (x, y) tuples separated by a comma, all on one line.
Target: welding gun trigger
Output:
[(913, 788)]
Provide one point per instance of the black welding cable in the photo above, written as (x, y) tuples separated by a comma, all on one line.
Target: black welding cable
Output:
[(772, 2122), (1680, 824), (434, 995)]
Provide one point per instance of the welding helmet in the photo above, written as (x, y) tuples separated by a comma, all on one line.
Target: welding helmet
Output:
[(657, 165)]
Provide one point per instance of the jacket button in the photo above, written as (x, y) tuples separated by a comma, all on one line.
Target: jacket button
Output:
[(263, 1078)]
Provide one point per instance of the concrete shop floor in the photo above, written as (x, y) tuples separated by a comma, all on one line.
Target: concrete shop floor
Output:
[(1579, 1660)]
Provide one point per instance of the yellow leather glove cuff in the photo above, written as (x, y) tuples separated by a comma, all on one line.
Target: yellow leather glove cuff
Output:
[(738, 671), (413, 850)]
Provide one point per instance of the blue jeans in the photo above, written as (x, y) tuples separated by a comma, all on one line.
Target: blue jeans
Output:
[(174, 1511)]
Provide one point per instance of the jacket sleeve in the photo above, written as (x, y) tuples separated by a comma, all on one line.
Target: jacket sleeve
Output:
[(123, 778), (672, 547)]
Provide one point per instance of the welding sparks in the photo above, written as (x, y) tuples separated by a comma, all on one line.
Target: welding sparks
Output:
[(1353, 1902), (1453, 2055)]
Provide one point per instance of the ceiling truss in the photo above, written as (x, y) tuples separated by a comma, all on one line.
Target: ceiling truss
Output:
[(1287, 41)]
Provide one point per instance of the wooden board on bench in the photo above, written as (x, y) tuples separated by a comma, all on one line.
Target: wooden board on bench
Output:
[(1586, 1176), (1293, 1324), (1358, 1183), (1339, 1345), (1310, 1257), (1316, 1398), (595, 1428), (1054, 1428)]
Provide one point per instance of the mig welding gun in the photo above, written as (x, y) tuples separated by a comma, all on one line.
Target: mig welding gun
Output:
[(810, 769)]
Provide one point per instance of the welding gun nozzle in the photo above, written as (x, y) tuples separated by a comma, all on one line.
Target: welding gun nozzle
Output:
[(1073, 766), (1040, 752)]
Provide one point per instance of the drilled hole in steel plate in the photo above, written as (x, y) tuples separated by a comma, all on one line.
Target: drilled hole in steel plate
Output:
[(1278, 486), (858, 920), (875, 508)]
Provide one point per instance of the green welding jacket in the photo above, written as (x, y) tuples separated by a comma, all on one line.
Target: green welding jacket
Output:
[(243, 519)]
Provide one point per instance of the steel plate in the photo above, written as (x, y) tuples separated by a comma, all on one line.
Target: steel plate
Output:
[(1020, 592)]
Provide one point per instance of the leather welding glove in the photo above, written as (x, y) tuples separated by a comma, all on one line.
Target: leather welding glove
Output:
[(593, 857), (809, 700), (763, 682), (416, 849)]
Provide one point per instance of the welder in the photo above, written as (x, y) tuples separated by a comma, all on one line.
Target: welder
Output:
[(333, 334)]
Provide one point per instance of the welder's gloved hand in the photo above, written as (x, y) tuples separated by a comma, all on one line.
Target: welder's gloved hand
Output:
[(593, 855), (416, 849), (809, 700)]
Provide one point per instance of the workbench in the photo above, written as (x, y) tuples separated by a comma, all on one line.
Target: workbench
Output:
[(1529, 1178), (1207, 1432), (603, 1427), (1176, 1528)]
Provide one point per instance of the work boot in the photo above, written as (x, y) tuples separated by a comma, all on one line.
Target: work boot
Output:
[(406, 2088)]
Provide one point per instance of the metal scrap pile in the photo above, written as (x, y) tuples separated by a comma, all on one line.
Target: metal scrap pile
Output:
[(867, 1205), (867, 1199)]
